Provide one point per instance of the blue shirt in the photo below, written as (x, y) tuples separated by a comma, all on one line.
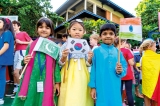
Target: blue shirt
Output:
[(104, 77), (7, 57)]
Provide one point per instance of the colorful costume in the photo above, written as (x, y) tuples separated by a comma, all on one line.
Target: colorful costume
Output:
[(151, 75), (104, 77), (74, 90), (28, 87)]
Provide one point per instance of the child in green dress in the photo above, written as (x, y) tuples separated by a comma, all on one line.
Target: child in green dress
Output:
[(42, 70)]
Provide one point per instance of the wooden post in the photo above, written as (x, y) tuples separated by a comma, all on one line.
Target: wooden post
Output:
[(119, 49), (24, 68)]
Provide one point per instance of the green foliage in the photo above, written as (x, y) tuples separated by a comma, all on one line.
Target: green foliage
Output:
[(66, 25), (148, 11), (134, 42), (29, 11), (93, 26)]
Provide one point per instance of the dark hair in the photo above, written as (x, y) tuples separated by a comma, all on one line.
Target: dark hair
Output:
[(65, 35), (48, 22), (108, 26), (7, 25), (16, 22), (76, 21)]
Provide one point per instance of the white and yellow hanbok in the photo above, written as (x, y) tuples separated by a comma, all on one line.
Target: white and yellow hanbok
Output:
[(74, 90)]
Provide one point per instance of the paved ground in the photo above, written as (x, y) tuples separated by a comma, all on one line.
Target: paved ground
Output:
[(8, 100), (9, 88)]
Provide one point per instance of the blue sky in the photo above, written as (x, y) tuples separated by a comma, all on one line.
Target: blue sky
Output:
[(128, 5)]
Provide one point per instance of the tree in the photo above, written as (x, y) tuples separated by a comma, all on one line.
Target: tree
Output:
[(29, 11), (148, 11), (92, 26)]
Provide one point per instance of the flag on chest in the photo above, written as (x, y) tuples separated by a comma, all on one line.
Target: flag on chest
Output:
[(48, 47), (77, 46)]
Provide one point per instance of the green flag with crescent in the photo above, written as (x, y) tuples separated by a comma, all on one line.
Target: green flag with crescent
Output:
[(48, 47)]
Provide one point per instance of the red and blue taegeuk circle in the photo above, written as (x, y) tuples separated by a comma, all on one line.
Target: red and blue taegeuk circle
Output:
[(78, 46)]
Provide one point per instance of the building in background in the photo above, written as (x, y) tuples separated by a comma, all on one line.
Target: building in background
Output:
[(12, 18), (89, 9)]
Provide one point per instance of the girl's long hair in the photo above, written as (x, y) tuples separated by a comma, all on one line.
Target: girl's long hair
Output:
[(7, 26)]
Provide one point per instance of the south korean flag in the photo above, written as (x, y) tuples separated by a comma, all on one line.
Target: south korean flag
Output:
[(77, 46)]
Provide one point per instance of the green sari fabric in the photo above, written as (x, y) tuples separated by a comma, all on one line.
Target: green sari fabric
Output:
[(35, 98)]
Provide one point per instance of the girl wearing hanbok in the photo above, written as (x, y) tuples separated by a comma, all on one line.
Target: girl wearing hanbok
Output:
[(74, 74)]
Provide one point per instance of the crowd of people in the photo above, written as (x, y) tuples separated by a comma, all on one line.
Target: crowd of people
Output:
[(94, 79)]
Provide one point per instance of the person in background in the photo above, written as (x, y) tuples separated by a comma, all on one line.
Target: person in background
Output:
[(64, 38), (150, 73), (10, 71), (136, 70), (22, 40), (6, 52), (93, 40), (128, 79)]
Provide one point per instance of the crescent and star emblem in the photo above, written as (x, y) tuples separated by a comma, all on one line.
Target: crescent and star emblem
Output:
[(47, 48)]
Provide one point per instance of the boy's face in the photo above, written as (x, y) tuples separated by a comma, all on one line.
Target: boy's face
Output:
[(108, 37), (64, 39), (93, 41), (16, 27)]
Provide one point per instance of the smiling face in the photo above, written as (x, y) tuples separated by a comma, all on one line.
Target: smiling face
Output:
[(107, 37), (76, 31), (16, 27), (43, 30)]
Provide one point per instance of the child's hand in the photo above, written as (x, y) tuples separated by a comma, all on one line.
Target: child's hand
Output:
[(118, 68), (90, 55), (93, 93), (57, 88), (18, 41), (65, 53), (27, 58)]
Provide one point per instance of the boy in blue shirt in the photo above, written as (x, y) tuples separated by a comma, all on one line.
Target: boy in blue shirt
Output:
[(106, 72)]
